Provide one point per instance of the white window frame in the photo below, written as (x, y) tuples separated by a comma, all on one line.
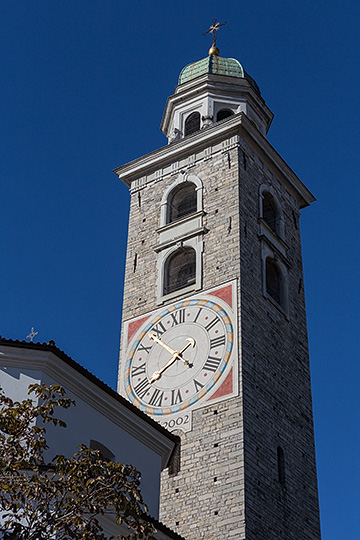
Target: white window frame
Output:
[(180, 180), (185, 232), (196, 244)]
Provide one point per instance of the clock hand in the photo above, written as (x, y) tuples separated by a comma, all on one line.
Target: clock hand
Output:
[(157, 374), (155, 338), (190, 344), (176, 356)]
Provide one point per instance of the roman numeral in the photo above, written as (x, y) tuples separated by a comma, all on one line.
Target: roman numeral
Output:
[(142, 388), (159, 329), (197, 315), (143, 348), (212, 363), (198, 385), (211, 324), (175, 397), (138, 370), (178, 316), (217, 341), (156, 398)]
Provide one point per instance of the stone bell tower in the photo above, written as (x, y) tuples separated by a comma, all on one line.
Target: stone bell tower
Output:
[(214, 339)]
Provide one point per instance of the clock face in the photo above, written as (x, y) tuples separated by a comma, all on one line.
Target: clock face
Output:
[(179, 356)]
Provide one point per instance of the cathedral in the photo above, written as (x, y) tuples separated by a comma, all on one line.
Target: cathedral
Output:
[(214, 339)]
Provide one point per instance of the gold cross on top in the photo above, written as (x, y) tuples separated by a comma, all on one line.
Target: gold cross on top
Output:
[(213, 28)]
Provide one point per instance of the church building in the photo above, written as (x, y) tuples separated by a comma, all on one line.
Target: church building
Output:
[(214, 339), (101, 419)]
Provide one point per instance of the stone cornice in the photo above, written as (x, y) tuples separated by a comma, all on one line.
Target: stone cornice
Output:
[(237, 124)]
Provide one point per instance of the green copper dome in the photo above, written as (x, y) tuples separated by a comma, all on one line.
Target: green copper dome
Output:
[(218, 66)]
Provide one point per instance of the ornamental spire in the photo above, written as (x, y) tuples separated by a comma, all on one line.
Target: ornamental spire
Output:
[(214, 51)]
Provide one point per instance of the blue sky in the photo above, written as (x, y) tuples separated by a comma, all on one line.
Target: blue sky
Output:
[(83, 89)]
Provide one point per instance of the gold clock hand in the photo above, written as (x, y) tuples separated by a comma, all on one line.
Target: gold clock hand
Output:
[(176, 356), (155, 338), (157, 374), (190, 344)]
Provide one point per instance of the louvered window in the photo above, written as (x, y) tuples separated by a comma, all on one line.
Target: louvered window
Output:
[(273, 280), (270, 211), (182, 201), (180, 270), (192, 123), (223, 113)]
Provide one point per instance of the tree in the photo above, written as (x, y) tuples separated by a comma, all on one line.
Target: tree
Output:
[(64, 498)]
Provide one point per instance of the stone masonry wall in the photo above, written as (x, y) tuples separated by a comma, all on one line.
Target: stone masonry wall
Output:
[(228, 484), (276, 378), (207, 495)]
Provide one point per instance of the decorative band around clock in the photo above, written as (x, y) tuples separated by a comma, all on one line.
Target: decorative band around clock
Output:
[(160, 411)]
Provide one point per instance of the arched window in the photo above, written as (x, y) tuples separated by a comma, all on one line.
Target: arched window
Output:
[(270, 212), (223, 113), (104, 450), (192, 123), (274, 281), (281, 465), (180, 270), (182, 198), (182, 201)]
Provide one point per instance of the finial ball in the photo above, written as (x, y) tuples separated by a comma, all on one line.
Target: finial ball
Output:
[(214, 51)]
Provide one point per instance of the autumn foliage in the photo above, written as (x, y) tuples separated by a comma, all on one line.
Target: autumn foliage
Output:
[(67, 497)]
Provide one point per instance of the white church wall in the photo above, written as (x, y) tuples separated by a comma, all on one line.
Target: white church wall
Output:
[(98, 416)]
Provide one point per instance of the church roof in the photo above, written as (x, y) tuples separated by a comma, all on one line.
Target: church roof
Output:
[(51, 347), (230, 67)]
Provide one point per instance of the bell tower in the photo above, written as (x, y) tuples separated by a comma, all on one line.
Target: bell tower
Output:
[(214, 340)]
